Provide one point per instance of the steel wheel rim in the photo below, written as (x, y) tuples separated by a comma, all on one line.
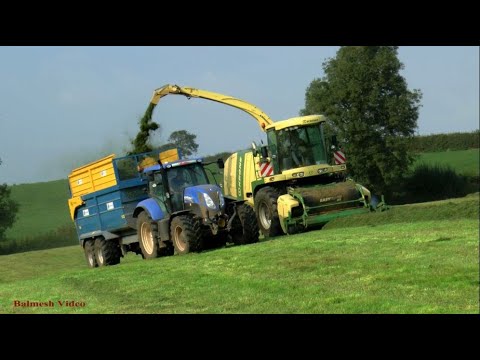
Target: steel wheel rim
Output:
[(181, 245), (147, 237), (264, 216)]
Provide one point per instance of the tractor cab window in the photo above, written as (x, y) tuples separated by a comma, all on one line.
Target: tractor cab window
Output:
[(182, 177), (185, 176), (156, 186)]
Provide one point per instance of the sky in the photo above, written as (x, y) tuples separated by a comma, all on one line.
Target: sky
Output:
[(61, 107)]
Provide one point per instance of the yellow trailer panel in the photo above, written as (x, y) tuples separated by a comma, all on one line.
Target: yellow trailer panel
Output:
[(95, 176)]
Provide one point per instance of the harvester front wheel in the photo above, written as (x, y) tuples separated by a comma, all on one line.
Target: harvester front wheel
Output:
[(245, 228), (267, 212), (89, 249), (186, 234), (107, 252), (147, 236)]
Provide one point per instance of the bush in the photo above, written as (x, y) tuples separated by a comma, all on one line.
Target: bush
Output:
[(445, 142), (63, 236), (434, 182)]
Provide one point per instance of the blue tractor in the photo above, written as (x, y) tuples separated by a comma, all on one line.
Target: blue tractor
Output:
[(162, 209)]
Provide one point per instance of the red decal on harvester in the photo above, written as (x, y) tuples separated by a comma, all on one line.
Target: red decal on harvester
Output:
[(339, 157), (266, 169)]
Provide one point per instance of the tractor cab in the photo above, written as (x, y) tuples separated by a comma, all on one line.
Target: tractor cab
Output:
[(184, 185)]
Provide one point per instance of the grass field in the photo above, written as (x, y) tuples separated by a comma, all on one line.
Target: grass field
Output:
[(43, 207), (413, 259), (465, 162)]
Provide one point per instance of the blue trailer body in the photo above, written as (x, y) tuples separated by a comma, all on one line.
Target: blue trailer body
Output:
[(152, 207), (109, 210)]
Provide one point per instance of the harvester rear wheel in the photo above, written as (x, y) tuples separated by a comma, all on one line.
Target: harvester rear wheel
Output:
[(89, 249), (107, 252), (186, 234), (147, 236), (245, 227), (266, 211)]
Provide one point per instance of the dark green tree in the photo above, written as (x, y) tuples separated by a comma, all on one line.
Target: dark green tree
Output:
[(185, 141), (372, 111), (8, 209)]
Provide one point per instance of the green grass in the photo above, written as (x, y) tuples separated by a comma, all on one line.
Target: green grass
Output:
[(443, 210), (421, 264), (43, 208), (464, 162)]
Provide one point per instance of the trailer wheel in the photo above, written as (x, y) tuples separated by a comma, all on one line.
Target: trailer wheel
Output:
[(107, 252), (147, 236), (245, 227), (186, 234), (89, 249), (266, 211)]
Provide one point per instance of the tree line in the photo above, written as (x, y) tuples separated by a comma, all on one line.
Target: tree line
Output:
[(445, 142)]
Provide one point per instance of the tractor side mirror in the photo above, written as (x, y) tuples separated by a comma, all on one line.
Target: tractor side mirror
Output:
[(220, 163), (334, 141)]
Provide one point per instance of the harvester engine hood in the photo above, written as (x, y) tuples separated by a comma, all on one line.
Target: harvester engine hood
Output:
[(205, 201)]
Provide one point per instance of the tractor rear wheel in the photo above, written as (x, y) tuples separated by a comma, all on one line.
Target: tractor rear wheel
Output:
[(186, 234), (147, 231), (107, 252), (267, 212)]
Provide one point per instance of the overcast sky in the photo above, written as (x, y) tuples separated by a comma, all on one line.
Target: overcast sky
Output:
[(61, 107)]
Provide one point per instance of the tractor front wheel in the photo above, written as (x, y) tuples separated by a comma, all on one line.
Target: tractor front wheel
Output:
[(186, 234)]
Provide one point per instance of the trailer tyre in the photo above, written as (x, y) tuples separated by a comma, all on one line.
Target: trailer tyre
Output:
[(266, 211), (245, 227), (186, 234), (107, 252), (147, 231), (89, 249)]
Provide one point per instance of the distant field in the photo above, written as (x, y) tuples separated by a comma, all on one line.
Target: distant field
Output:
[(392, 262), (43, 207), (465, 162)]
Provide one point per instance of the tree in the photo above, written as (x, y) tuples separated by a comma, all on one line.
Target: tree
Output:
[(185, 141), (372, 111), (8, 209)]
